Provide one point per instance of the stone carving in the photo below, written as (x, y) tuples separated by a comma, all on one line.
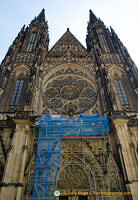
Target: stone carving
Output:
[(68, 42), (69, 178)]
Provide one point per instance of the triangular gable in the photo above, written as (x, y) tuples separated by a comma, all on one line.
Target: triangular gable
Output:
[(68, 42)]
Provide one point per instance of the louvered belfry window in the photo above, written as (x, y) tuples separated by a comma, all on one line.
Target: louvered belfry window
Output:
[(31, 42), (104, 43)]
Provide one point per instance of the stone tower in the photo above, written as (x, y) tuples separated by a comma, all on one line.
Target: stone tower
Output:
[(69, 80)]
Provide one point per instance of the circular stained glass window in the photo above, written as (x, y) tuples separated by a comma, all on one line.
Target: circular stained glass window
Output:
[(69, 94)]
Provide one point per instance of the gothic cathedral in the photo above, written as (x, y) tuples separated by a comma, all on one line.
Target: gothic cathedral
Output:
[(68, 116)]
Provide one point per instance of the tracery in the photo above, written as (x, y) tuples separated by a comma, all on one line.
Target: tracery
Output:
[(69, 93)]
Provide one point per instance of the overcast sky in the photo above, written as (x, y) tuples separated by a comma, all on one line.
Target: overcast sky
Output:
[(122, 15)]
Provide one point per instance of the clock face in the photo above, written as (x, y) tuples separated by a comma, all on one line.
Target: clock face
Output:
[(69, 93)]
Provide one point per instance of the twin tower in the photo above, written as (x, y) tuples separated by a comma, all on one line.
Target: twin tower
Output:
[(69, 80)]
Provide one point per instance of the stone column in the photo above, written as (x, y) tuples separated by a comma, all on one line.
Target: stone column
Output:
[(14, 170), (129, 161)]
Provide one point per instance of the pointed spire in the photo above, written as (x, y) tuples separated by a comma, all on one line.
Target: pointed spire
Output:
[(112, 30), (92, 17), (41, 16), (113, 33)]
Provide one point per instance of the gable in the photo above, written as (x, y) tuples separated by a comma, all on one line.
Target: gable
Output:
[(68, 42)]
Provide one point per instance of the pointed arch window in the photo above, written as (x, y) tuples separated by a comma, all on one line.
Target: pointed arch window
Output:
[(121, 92), (31, 42), (17, 92), (104, 43)]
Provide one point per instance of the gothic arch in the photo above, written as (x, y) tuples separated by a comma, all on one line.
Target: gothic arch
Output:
[(62, 69), (20, 69), (18, 79), (118, 80), (84, 171)]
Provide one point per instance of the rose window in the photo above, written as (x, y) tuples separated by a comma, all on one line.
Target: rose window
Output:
[(69, 94)]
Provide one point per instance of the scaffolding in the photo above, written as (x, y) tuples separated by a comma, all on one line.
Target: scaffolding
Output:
[(47, 157), (84, 126), (87, 129)]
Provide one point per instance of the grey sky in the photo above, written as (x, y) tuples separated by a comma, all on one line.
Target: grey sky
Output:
[(122, 15)]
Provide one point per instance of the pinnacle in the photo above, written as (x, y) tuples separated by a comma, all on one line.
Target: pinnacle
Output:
[(41, 16), (92, 17)]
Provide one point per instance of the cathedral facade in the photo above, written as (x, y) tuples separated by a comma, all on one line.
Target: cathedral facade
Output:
[(69, 80)]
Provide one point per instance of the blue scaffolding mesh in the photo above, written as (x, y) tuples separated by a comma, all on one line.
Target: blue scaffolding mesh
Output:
[(84, 125), (48, 157)]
